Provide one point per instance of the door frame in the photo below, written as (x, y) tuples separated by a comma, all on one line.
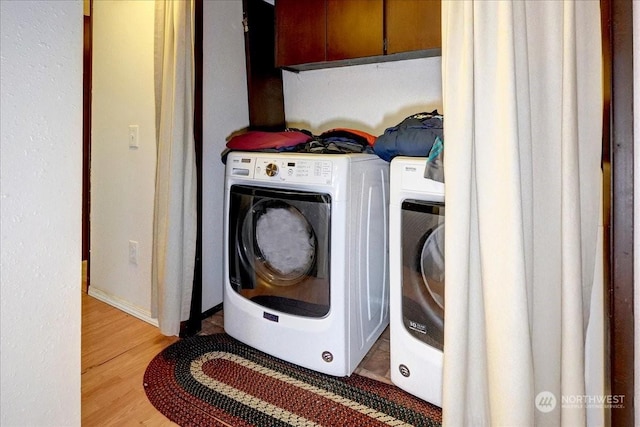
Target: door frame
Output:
[(618, 165), (86, 139)]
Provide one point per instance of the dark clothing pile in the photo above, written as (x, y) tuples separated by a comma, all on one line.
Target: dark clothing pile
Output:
[(334, 141), (413, 137), (419, 135)]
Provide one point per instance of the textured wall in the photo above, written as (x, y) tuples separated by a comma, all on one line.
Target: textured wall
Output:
[(636, 230), (40, 201)]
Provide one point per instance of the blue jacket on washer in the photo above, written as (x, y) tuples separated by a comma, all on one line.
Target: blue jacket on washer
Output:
[(413, 137)]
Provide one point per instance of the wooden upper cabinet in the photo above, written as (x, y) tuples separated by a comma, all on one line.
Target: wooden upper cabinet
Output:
[(300, 31), (321, 31), (412, 25), (354, 29)]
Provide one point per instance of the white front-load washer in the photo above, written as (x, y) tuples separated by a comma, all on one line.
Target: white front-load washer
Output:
[(306, 256), (416, 262)]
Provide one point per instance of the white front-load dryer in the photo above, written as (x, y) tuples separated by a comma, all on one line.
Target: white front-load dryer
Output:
[(306, 256), (416, 262)]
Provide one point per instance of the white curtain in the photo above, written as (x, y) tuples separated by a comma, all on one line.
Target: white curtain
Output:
[(175, 214), (522, 98)]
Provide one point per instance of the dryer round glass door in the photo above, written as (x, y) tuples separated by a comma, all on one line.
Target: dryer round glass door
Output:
[(279, 248), (423, 278)]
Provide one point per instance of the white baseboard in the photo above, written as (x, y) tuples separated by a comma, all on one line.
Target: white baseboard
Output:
[(123, 305)]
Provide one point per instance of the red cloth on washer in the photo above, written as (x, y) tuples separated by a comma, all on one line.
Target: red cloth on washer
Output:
[(260, 140)]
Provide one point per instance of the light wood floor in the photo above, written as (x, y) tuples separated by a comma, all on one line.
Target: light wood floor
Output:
[(116, 349)]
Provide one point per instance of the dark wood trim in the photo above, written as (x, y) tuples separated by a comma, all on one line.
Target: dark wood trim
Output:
[(86, 137), (401, 56), (606, 188), (264, 80), (621, 317), (210, 312), (194, 324)]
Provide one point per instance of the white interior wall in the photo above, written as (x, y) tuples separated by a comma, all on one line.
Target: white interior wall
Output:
[(40, 202), (225, 109), (122, 179), (369, 97)]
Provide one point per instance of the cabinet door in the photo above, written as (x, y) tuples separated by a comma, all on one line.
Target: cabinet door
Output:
[(354, 28), (300, 31), (412, 25)]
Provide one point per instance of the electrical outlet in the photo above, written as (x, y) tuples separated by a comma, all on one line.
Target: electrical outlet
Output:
[(133, 252)]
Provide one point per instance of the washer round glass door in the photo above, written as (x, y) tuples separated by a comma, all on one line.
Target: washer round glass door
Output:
[(432, 264), (279, 248), (282, 240), (423, 275)]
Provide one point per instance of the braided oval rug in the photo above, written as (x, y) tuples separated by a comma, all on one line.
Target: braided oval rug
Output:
[(215, 380)]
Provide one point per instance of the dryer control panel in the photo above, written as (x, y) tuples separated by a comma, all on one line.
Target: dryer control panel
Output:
[(293, 170)]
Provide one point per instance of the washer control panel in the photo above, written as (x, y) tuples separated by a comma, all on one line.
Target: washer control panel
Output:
[(293, 170)]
